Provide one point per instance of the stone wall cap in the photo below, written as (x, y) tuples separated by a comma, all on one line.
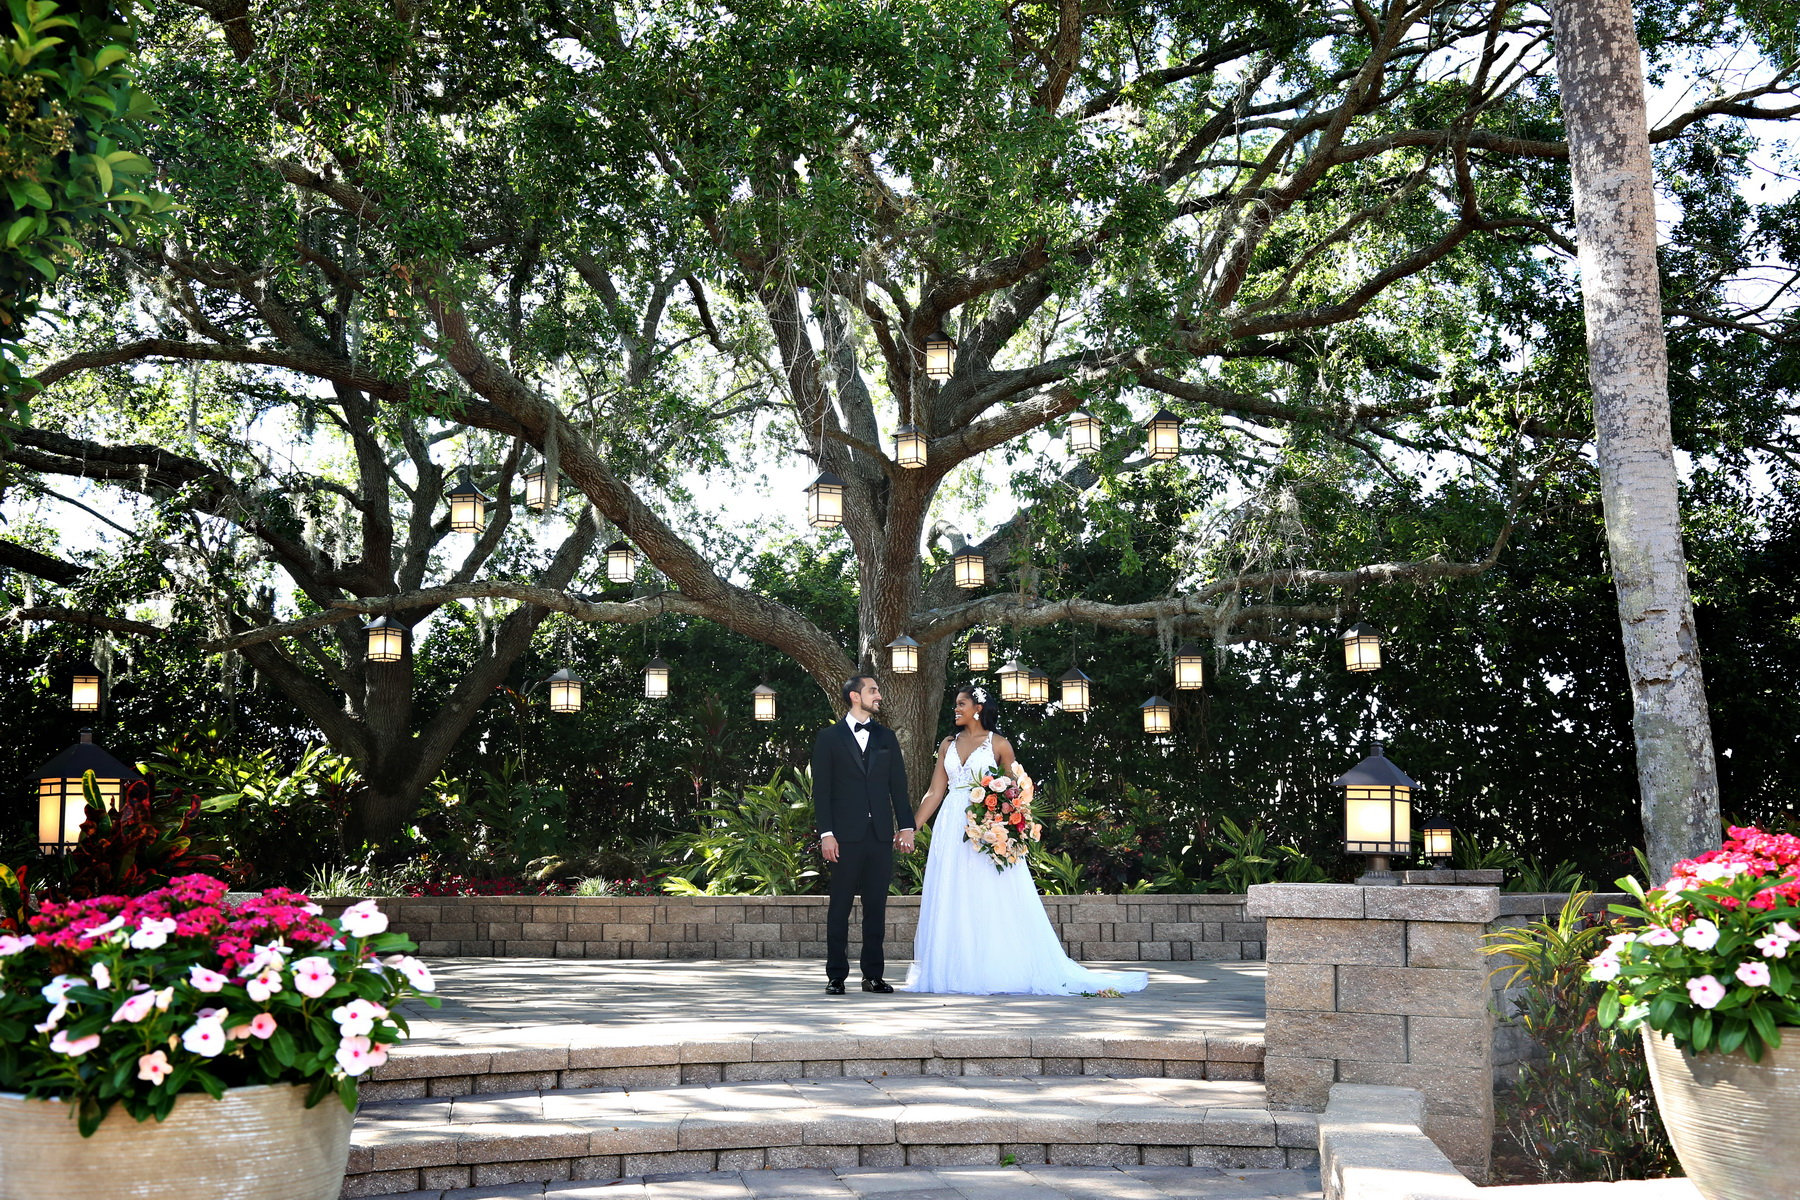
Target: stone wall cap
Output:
[(1545, 904), (1477, 905), (1372, 1147), (1335, 901)]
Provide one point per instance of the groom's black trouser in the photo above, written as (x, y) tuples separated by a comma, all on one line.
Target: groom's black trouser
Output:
[(864, 868)]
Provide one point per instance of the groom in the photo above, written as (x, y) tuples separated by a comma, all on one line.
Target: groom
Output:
[(859, 801)]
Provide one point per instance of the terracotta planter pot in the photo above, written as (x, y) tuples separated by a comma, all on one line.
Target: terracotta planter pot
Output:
[(253, 1143), (1731, 1120)]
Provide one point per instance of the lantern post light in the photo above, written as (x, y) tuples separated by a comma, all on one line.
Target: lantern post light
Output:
[(387, 640), (1076, 688), (765, 701), (1037, 687), (1158, 715), (978, 654), (909, 446), (468, 503), (825, 502), (971, 569), (905, 655), (1164, 431), (541, 489), (1377, 814), (656, 679), (1084, 432), (1015, 681), (565, 691), (940, 356), (1362, 648), (62, 801), (621, 562), (1190, 667), (84, 688), (1439, 837)]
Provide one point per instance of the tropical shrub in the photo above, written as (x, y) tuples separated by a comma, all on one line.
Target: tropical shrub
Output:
[(141, 846), (1246, 858), (759, 842)]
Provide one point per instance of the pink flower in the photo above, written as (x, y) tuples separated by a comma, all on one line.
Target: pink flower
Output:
[(1706, 991), (262, 1025), (363, 919), (1657, 935), (153, 1067), (1604, 969), (205, 1038), (313, 977), (1753, 974), (136, 1008), (204, 980), (238, 1033), (62, 1043), (416, 972), (377, 1054), (353, 1055), (1772, 946), (1701, 935), (11, 944), (357, 1018), (263, 984)]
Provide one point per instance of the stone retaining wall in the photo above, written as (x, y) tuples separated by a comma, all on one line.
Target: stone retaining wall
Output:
[(1155, 928)]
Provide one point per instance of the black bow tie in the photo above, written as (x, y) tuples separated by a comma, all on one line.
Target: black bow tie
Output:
[(855, 728)]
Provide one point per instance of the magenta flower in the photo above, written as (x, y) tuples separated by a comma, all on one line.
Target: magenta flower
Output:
[(1706, 991)]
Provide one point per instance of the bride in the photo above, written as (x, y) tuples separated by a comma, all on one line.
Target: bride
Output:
[(983, 931)]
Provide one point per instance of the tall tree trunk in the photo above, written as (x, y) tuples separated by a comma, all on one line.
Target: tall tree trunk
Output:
[(1602, 83)]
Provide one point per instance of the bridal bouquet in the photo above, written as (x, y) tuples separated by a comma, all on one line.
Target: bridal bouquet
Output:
[(999, 820), (135, 1000)]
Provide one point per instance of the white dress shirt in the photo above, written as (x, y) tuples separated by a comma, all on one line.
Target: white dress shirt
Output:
[(862, 743)]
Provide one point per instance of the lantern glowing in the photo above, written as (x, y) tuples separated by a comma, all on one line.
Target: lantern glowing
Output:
[(909, 446), (1037, 687), (1439, 838), (1075, 688), (940, 356), (765, 701), (387, 640), (621, 562), (825, 502), (1164, 432), (84, 688), (1015, 681), (1084, 432), (1362, 648), (565, 691), (971, 570), (541, 490), (1377, 812), (1190, 667), (468, 503), (978, 654), (62, 802), (1158, 713), (656, 679), (905, 655)]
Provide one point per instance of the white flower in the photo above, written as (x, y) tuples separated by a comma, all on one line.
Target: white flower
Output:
[(152, 932), (416, 972), (271, 957), (57, 1013), (100, 931), (1701, 935), (57, 989), (353, 1055), (1783, 930), (357, 1018), (62, 1043), (205, 1038), (1706, 991), (1772, 945), (313, 977), (1604, 969), (363, 919), (11, 944), (263, 985), (1657, 935), (313, 910), (203, 980), (102, 976), (136, 1008), (977, 794), (163, 997), (1753, 974)]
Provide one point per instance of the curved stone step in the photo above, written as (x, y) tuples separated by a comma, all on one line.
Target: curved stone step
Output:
[(841, 1122)]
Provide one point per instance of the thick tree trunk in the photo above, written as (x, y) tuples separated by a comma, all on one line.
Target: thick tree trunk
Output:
[(1602, 82)]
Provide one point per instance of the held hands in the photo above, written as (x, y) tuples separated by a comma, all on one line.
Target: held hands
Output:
[(903, 841)]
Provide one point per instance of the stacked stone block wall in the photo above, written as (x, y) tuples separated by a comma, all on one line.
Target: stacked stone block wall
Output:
[(1158, 928), (1383, 985)]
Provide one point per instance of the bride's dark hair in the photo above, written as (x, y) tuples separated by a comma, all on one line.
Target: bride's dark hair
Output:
[(988, 712)]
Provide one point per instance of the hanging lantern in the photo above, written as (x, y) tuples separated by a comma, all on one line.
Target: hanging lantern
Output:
[(1377, 813), (905, 655), (84, 688), (1362, 648), (1037, 687), (1439, 838), (656, 680), (765, 701), (1075, 688), (825, 502), (387, 640), (1164, 435), (1084, 432), (978, 654), (1015, 681), (621, 562), (62, 802), (940, 356), (1190, 667), (565, 691), (909, 446), (468, 503), (541, 490), (1158, 715), (971, 570)]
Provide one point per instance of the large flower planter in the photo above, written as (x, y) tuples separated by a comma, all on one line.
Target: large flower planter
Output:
[(1731, 1121), (253, 1143)]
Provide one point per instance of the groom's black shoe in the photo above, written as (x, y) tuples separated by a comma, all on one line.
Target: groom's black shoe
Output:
[(835, 987), (876, 985)]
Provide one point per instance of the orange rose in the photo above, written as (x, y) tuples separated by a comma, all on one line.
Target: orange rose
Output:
[(992, 803)]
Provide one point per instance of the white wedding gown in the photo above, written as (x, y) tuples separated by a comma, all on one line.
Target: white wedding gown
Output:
[(982, 931)]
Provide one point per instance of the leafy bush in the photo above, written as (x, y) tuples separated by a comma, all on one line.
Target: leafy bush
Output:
[(1536, 876), (596, 885), (760, 842), (1584, 1110), (1056, 874), (1246, 859)]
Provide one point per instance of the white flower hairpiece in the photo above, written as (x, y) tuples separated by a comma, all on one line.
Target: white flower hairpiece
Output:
[(980, 694)]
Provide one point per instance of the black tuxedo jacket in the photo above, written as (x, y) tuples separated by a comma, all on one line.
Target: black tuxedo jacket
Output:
[(851, 792)]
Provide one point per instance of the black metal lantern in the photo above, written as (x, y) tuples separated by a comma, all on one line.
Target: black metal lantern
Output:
[(1084, 432), (468, 503), (978, 654), (1362, 648), (971, 569), (940, 356), (1076, 688), (905, 655), (62, 801), (1164, 435), (541, 488), (84, 688), (1439, 840), (909, 446), (621, 562), (1015, 681), (387, 640), (1159, 715), (565, 691), (1377, 813), (825, 502), (1190, 667), (764, 699), (656, 680)]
